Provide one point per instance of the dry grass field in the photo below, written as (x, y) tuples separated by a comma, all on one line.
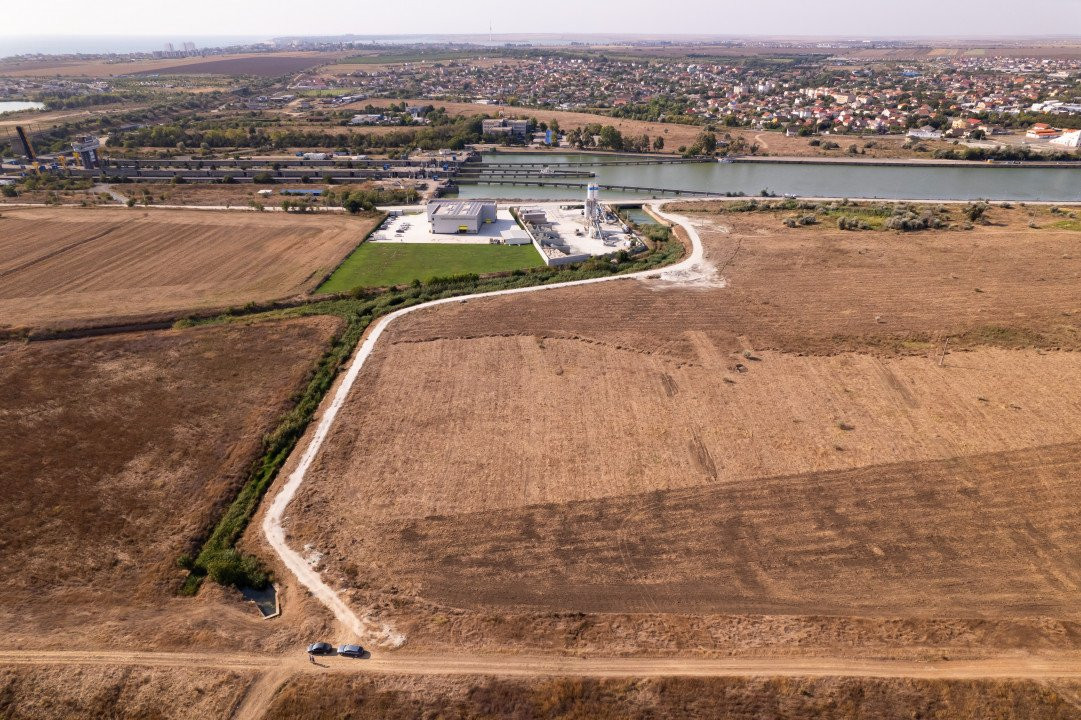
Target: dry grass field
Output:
[(675, 135), (365, 698), (265, 64), (35, 119), (65, 197), (796, 460), (119, 452), (63, 693), (236, 195), (206, 194), (268, 66), (343, 69), (66, 266)]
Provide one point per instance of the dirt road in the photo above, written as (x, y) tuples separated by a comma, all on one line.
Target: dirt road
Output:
[(1006, 666), (272, 671)]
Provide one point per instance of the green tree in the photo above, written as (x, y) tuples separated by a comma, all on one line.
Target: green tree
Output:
[(611, 138), (708, 143)]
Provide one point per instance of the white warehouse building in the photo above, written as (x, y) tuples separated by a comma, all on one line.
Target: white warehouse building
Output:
[(460, 216)]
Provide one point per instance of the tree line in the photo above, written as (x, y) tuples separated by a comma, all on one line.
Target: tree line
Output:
[(454, 135)]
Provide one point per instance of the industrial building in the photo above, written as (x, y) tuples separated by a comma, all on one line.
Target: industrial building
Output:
[(86, 148), (515, 236), (1068, 139), (460, 216), (517, 129)]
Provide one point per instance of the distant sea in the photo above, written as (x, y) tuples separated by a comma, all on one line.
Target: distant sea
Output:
[(95, 44)]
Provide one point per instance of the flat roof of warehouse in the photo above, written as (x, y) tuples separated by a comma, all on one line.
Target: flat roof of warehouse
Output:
[(463, 208)]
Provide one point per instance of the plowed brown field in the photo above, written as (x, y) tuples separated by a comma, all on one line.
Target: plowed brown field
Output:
[(72, 266), (798, 459), (118, 454)]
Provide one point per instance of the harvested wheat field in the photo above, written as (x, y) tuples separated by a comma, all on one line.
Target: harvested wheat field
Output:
[(63, 267), (119, 453), (333, 697), (62, 693), (790, 456)]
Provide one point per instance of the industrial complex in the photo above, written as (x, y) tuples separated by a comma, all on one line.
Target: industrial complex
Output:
[(460, 216), (561, 232)]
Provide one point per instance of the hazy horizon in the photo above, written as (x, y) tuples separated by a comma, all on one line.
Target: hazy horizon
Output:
[(123, 44), (844, 19)]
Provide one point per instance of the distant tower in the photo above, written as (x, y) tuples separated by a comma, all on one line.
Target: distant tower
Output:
[(189, 47), (86, 147), (168, 47)]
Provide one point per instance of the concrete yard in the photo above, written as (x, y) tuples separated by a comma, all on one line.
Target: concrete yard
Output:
[(413, 227), (567, 221)]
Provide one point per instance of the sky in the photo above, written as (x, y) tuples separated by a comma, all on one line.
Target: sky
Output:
[(269, 18)]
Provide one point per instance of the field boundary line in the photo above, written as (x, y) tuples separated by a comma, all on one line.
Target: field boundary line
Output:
[(364, 628)]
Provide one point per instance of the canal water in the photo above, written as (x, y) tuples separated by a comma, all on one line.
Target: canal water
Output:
[(7, 106), (1057, 184), (639, 216)]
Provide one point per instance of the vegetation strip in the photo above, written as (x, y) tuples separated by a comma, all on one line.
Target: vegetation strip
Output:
[(218, 556)]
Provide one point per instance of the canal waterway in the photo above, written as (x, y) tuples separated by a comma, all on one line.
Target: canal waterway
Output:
[(1056, 184)]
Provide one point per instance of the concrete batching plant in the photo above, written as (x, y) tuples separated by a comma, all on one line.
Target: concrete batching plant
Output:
[(593, 211)]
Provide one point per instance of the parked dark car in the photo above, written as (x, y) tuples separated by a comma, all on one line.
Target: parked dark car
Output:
[(353, 651), (320, 648)]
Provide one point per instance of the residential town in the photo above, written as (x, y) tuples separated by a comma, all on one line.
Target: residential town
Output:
[(804, 95)]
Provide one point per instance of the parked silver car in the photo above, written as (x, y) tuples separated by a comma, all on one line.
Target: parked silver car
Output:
[(353, 651)]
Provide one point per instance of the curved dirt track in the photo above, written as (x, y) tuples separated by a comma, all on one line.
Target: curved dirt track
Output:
[(690, 270)]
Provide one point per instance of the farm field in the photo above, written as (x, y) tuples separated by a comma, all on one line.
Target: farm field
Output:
[(792, 459), (263, 64), (119, 452), (393, 698), (258, 65), (62, 693), (67, 266), (383, 264)]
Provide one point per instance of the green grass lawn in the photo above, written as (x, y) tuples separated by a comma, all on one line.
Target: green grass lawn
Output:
[(1067, 225), (382, 264)]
